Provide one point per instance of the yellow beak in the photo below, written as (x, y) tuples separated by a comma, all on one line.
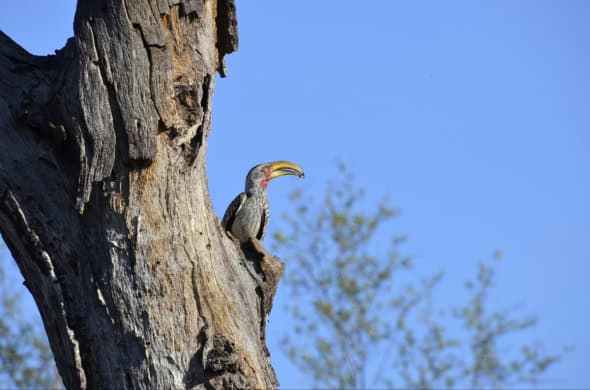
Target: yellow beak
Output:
[(280, 168)]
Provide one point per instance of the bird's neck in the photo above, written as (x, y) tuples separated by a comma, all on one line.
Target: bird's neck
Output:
[(256, 191)]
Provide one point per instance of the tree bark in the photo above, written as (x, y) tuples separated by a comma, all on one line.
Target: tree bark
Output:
[(105, 207)]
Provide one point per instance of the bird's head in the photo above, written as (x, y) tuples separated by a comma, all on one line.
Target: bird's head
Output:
[(261, 174)]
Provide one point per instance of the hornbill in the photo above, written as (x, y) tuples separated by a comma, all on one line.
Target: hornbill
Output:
[(247, 215)]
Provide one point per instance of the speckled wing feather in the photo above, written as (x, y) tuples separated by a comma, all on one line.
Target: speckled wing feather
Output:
[(232, 211), (263, 222)]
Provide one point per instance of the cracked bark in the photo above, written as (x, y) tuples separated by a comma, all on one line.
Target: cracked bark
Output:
[(105, 207)]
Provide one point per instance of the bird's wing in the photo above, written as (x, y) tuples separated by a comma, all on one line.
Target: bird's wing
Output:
[(263, 222), (232, 211)]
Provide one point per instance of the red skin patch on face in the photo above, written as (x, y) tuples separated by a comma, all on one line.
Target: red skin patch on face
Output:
[(264, 183)]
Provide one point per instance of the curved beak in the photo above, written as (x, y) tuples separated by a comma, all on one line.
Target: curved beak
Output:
[(280, 168)]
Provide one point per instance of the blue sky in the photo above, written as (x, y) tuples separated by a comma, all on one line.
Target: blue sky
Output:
[(473, 117)]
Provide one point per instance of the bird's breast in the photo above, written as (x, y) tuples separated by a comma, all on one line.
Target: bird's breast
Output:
[(249, 219)]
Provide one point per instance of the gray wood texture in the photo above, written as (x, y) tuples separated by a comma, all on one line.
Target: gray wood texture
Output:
[(105, 207)]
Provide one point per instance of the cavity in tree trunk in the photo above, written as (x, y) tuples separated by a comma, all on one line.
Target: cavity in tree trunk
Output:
[(105, 207)]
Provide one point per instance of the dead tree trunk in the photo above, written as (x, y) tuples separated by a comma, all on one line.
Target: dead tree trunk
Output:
[(105, 207)]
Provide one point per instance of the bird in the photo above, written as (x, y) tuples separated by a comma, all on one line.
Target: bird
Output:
[(248, 214)]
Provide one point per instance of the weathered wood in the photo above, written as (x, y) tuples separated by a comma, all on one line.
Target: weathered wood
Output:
[(105, 207)]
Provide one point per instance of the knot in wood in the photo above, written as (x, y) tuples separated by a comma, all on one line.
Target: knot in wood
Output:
[(222, 357)]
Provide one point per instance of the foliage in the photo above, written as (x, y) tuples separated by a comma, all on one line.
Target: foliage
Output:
[(25, 358), (362, 320)]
